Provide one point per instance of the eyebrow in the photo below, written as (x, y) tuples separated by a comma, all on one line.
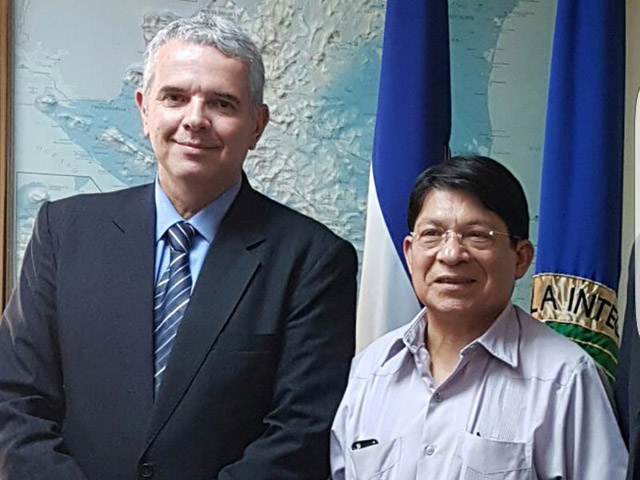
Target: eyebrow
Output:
[(220, 95), (170, 89), (440, 223), (227, 96)]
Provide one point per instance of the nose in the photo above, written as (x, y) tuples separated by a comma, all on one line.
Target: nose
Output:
[(195, 116), (452, 251)]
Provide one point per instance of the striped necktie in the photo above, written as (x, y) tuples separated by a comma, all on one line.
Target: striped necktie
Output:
[(172, 295)]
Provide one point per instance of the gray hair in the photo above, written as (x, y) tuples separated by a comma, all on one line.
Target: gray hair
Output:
[(214, 31)]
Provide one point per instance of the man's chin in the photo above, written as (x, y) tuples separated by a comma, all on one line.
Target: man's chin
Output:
[(196, 170), (454, 308), (454, 305)]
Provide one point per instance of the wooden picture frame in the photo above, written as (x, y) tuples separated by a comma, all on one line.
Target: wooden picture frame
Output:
[(5, 143)]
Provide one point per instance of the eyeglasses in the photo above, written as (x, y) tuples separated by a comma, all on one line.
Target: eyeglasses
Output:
[(475, 238)]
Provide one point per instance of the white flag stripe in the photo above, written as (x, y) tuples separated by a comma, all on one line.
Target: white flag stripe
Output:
[(386, 300)]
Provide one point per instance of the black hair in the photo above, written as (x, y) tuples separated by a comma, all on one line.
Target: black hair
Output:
[(487, 180)]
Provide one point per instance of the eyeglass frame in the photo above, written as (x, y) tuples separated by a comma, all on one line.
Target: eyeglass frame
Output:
[(444, 236)]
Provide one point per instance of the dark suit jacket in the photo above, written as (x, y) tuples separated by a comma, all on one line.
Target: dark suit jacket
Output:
[(627, 386), (257, 369)]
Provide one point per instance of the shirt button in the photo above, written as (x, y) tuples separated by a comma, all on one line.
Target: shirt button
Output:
[(146, 470), (430, 450), (437, 398)]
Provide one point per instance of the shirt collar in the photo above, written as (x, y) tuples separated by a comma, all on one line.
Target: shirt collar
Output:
[(501, 340), (411, 337), (206, 221)]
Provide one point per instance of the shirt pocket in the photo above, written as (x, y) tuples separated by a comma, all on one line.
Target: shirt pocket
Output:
[(485, 459), (377, 462)]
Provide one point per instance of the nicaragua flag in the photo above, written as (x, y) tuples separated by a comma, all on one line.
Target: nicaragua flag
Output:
[(578, 265), (413, 125)]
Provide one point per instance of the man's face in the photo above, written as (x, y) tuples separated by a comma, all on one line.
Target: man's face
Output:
[(460, 280), (199, 116)]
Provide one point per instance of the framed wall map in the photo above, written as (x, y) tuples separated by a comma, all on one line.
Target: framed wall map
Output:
[(5, 135), (77, 129)]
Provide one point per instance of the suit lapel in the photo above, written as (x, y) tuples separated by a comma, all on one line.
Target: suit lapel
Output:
[(130, 295), (227, 271)]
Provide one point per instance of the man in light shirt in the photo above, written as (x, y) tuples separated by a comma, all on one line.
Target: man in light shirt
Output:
[(473, 387)]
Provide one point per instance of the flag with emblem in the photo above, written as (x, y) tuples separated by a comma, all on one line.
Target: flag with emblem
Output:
[(578, 262)]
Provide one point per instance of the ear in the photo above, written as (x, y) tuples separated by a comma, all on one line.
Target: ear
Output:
[(262, 118), (406, 249), (524, 257), (142, 108)]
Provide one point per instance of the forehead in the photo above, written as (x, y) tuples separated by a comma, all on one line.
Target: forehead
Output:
[(446, 206), (178, 60)]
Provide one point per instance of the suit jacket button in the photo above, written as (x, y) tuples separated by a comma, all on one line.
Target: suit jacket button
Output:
[(146, 470)]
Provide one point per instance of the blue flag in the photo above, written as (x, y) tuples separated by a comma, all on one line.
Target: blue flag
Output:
[(578, 264), (413, 126)]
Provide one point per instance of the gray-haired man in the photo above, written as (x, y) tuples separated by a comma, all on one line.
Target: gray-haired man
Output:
[(191, 329)]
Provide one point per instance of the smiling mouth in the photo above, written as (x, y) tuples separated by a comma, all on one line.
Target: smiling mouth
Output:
[(454, 280), (196, 145)]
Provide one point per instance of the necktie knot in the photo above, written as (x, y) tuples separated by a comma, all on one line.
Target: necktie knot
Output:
[(180, 235)]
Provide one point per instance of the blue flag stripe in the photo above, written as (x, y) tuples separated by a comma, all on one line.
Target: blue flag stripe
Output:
[(413, 122), (581, 193)]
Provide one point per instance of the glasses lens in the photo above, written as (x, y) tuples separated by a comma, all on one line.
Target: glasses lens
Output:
[(430, 238), (478, 238)]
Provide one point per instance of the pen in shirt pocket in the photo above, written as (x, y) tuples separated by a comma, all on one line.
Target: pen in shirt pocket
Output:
[(360, 444)]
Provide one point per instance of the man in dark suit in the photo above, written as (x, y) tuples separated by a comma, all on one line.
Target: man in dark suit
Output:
[(627, 386), (191, 329)]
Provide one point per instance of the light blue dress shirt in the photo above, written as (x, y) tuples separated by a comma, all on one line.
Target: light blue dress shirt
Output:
[(206, 222), (522, 403)]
